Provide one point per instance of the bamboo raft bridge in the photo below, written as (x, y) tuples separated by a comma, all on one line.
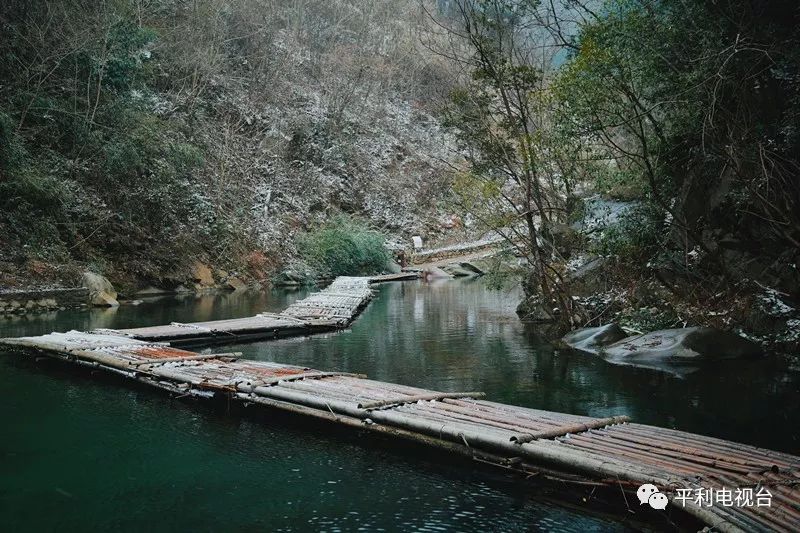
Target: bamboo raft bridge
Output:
[(332, 308), (603, 454)]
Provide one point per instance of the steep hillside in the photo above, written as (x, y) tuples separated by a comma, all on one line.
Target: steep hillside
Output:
[(136, 137)]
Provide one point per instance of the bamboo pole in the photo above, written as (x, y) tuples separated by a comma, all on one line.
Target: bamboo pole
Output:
[(249, 387), (625, 462), (573, 460), (419, 398), (198, 357), (563, 430)]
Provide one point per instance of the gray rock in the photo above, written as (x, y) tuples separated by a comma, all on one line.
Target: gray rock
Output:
[(664, 348), (49, 303), (590, 267), (101, 291), (682, 345), (593, 339), (472, 267), (436, 273), (456, 271)]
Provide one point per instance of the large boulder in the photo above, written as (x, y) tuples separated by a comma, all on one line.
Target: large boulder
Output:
[(667, 347), (585, 269), (101, 291), (683, 345), (472, 267), (456, 271), (436, 273), (592, 340), (201, 275)]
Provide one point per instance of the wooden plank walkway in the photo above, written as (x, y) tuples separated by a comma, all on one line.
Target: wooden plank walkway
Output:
[(610, 453), (334, 307)]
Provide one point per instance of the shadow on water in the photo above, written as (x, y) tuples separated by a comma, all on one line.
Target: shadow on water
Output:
[(82, 453)]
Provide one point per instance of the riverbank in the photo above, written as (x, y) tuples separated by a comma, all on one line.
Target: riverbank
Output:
[(642, 300)]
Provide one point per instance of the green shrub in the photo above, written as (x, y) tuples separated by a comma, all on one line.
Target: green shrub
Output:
[(635, 237), (344, 246), (620, 184), (24, 186)]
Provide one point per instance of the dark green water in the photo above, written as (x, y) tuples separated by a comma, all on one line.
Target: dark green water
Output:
[(81, 453)]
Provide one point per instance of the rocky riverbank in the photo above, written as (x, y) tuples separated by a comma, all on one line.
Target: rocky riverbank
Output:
[(18, 302), (95, 290)]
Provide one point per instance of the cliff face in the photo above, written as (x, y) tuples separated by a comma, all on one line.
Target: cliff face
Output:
[(136, 137)]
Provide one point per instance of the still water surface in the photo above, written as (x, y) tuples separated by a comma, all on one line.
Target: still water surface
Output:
[(81, 453)]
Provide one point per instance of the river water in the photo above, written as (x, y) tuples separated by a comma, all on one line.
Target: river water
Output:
[(82, 452)]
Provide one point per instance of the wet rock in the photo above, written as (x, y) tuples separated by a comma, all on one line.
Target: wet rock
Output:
[(668, 347), (684, 344), (486, 264), (101, 291), (103, 299), (593, 339)]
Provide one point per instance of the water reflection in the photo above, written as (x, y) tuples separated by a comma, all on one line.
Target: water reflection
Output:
[(189, 307), (159, 464), (457, 335), (163, 464)]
